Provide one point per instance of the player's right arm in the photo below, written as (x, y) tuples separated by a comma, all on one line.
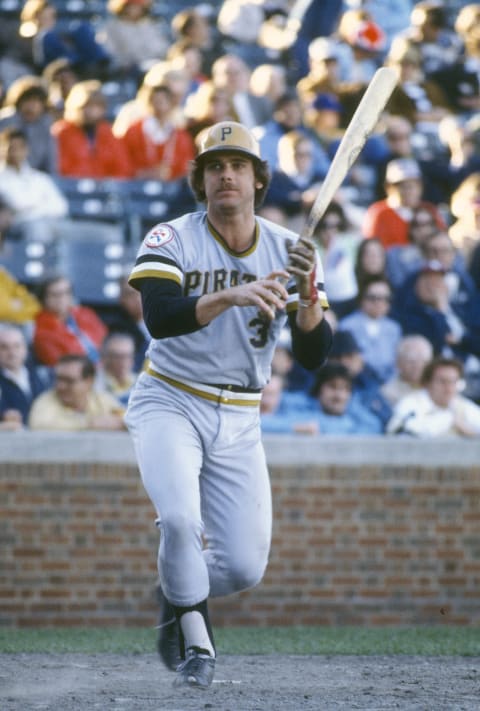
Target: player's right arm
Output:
[(266, 294), (167, 312)]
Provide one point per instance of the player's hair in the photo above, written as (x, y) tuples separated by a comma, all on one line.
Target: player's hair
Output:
[(262, 175)]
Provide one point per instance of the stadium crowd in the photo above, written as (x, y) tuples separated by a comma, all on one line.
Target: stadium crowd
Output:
[(101, 109)]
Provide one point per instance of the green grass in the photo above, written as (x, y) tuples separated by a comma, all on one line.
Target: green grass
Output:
[(455, 641)]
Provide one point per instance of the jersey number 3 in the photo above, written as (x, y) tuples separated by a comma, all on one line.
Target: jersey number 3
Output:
[(261, 326)]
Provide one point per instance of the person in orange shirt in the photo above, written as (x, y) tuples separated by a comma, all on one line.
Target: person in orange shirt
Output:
[(63, 328), (156, 147), (388, 220), (86, 145)]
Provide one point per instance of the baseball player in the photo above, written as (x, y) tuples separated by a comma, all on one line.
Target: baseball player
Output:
[(217, 287)]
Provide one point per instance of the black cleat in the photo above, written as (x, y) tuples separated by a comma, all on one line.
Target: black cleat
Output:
[(197, 669), (168, 643)]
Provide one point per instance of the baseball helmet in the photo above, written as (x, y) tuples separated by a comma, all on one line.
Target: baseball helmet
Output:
[(228, 136)]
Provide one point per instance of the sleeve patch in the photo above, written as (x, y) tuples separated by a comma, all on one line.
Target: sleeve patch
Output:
[(159, 236)]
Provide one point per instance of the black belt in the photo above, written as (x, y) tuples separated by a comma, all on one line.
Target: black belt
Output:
[(233, 388)]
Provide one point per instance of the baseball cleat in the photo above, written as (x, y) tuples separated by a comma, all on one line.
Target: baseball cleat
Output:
[(197, 669), (168, 643)]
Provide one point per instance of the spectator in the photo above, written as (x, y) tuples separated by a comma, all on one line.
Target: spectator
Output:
[(162, 73), (362, 46), (338, 245), (413, 354), (336, 415), (437, 409), (188, 58), (254, 28), (461, 287), (269, 81), (366, 394), (59, 76), (63, 328), (207, 105), (465, 208), (429, 33), (375, 332), (230, 72), (287, 116), (156, 148), (398, 137), (421, 100), (132, 37), (20, 382), (324, 78), (26, 108), (295, 183), (128, 318), (37, 205), (388, 219), (404, 259), (393, 16), (86, 144), (73, 404), (422, 306), (280, 410), (115, 371), (323, 116), (49, 42), (466, 27), (191, 26), (459, 160), (371, 261)]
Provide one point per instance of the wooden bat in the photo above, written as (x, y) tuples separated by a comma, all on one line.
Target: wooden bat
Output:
[(358, 130)]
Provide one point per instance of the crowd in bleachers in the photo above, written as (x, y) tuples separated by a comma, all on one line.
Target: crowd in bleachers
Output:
[(101, 106)]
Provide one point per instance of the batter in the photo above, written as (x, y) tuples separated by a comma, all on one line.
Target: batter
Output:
[(216, 292)]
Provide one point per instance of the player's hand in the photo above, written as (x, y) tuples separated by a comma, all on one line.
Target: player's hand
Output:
[(302, 262), (268, 294)]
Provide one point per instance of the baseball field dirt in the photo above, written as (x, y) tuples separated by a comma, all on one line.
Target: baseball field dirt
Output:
[(137, 682)]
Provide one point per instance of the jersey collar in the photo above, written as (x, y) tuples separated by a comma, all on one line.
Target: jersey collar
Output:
[(218, 237)]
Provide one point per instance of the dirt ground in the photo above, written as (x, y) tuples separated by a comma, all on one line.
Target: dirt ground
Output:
[(81, 682)]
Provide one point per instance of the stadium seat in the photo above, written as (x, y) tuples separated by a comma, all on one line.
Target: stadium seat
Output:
[(149, 202), (89, 198), (94, 262), (30, 262)]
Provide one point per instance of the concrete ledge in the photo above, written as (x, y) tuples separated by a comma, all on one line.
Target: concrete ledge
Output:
[(281, 450)]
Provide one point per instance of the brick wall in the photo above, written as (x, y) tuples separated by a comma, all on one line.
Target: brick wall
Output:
[(365, 532)]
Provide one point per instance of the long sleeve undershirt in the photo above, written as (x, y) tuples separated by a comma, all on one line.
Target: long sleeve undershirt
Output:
[(167, 313)]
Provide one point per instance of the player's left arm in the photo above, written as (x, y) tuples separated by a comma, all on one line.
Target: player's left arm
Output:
[(311, 333)]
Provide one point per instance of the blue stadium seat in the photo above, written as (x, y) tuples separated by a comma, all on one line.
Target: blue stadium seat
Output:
[(95, 263), (149, 202), (91, 199), (30, 262)]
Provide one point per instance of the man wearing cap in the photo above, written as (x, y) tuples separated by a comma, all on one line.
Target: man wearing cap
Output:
[(422, 305), (389, 219), (217, 288)]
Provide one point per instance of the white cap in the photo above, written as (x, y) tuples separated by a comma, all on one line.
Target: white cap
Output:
[(402, 169), (323, 48)]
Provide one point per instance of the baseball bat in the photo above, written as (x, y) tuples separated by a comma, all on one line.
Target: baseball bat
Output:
[(361, 125)]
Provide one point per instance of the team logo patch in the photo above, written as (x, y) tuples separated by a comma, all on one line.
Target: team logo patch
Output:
[(160, 236)]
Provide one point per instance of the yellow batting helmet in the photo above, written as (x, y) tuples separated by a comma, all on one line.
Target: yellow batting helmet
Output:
[(228, 136)]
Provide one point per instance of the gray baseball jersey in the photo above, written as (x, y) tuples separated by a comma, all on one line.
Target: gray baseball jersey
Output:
[(238, 344)]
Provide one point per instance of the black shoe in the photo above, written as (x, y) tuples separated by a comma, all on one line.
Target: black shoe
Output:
[(168, 643), (197, 669)]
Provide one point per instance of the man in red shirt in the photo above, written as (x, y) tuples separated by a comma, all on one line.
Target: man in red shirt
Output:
[(389, 219)]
